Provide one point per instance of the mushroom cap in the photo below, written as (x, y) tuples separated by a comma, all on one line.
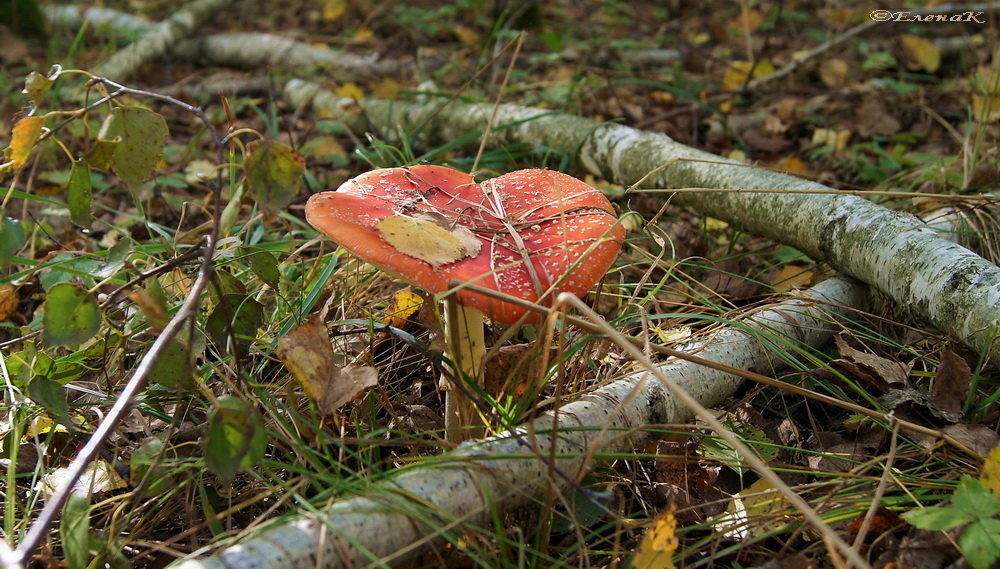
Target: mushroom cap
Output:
[(534, 233)]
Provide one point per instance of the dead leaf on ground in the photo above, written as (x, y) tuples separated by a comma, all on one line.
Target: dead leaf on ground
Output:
[(951, 384), (656, 551), (876, 370), (979, 438), (833, 73), (990, 473), (791, 277), (920, 54), (307, 353), (874, 118), (8, 301)]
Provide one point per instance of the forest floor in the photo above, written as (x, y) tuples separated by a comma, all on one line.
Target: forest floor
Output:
[(95, 260)]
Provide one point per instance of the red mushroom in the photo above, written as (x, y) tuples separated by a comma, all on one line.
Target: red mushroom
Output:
[(531, 234)]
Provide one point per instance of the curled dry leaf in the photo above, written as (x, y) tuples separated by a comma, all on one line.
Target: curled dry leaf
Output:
[(951, 383), (8, 301), (307, 353)]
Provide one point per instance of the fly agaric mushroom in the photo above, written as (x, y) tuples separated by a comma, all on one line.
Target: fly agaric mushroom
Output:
[(531, 234)]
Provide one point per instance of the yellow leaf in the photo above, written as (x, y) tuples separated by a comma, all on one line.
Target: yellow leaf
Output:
[(736, 74), (985, 102), (334, 9), (431, 240), (387, 88), (467, 36), (833, 72), (672, 335), (350, 90), (835, 138), (790, 277), (8, 301), (990, 474), (307, 353), (364, 34), (792, 165), (755, 511), (659, 544), (23, 139), (921, 54), (404, 304), (325, 148)]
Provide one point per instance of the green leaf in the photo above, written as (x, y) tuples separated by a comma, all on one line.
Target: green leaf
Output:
[(273, 174), (100, 154), (116, 258), (65, 266), (51, 395), (11, 240), (937, 518), (147, 464), (172, 368), (37, 86), (143, 135), (975, 499), (71, 317), (74, 529), (980, 543), (79, 194), (239, 314), (235, 440), (264, 265)]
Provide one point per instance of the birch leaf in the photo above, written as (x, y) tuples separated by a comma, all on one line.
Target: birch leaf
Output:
[(307, 353), (143, 135), (990, 474), (659, 544), (71, 317), (11, 240), (426, 239), (23, 138), (235, 441), (273, 174), (921, 54), (79, 194)]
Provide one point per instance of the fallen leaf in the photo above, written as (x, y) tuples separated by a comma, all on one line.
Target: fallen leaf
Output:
[(791, 277), (334, 9), (155, 311), (870, 367), (656, 551), (874, 118), (430, 240), (99, 476), (404, 304), (979, 438), (143, 135), (836, 139), (990, 474), (951, 383), (8, 301), (350, 90), (920, 54), (833, 73), (736, 74), (307, 353)]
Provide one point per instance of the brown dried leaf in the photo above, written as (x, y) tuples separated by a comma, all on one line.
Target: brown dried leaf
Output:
[(979, 438), (951, 384), (8, 301), (308, 355), (833, 73), (874, 118), (878, 368), (921, 54)]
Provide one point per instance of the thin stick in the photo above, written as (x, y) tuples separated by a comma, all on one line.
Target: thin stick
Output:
[(749, 456)]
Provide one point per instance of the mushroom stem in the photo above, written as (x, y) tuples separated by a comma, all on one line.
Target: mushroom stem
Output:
[(467, 349)]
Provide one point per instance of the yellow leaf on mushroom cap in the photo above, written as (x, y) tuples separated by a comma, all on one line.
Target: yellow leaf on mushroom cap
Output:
[(429, 239)]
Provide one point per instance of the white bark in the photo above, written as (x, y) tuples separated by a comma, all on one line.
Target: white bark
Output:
[(159, 39), (944, 283), (242, 50), (512, 470)]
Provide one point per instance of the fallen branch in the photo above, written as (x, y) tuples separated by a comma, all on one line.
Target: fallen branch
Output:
[(942, 282), (159, 39), (513, 469)]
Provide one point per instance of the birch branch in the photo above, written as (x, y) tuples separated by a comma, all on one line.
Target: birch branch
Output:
[(513, 469), (159, 39), (942, 282), (239, 50)]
